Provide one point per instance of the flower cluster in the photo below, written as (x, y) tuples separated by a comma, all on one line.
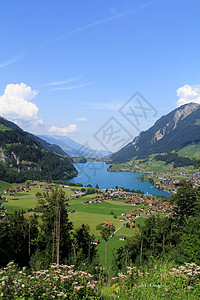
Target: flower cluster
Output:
[(58, 282), (190, 272), (159, 280)]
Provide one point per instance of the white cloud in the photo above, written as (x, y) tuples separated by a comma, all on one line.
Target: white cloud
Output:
[(63, 131), (15, 104), (188, 93), (81, 119)]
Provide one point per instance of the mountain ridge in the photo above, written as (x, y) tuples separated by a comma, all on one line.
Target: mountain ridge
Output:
[(170, 132)]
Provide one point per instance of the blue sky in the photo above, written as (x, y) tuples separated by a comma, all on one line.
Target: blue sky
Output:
[(67, 67)]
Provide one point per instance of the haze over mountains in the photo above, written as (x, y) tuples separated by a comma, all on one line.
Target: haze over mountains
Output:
[(74, 149), (174, 131)]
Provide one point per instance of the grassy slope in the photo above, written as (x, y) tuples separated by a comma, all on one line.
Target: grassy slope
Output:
[(5, 185), (152, 165), (3, 127), (191, 151)]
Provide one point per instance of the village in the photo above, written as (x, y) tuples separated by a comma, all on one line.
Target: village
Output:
[(168, 181), (145, 205)]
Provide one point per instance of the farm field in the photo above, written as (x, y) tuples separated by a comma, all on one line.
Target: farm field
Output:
[(91, 214)]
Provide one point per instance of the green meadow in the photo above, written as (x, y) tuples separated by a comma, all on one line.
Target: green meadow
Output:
[(91, 214), (151, 165)]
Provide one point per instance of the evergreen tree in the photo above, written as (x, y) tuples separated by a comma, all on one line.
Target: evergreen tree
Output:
[(56, 228), (85, 252)]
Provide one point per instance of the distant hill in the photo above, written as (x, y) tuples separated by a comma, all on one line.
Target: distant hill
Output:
[(24, 156), (48, 146), (174, 131), (74, 149)]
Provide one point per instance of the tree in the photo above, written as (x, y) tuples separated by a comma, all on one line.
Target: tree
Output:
[(84, 251), (188, 247), (156, 238), (106, 231), (186, 200), (56, 227), (38, 194)]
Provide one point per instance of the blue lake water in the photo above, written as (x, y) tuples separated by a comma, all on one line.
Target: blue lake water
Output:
[(96, 173)]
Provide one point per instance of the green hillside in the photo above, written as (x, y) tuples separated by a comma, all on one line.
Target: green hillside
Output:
[(22, 157), (191, 151)]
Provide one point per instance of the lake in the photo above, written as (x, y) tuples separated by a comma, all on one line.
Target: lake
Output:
[(96, 173)]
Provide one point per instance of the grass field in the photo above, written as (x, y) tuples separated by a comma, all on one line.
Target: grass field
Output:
[(91, 214), (192, 151), (5, 185)]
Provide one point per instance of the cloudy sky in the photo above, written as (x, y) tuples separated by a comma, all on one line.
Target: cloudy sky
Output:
[(73, 68)]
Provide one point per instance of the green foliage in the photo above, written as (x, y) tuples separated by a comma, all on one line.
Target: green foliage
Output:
[(187, 201), (38, 194), (55, 236), (188, 246), (156, 238), (84, 251), (178, 161), (157, 280), (91, 190), (18, 238), (105, 230)]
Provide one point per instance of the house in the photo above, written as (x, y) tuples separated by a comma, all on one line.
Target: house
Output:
[(95, 241), (71, 211), (121, 219), (132, 225), (47, 187), (122, 237)]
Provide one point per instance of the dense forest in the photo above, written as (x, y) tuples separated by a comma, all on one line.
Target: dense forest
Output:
[(178, 161)]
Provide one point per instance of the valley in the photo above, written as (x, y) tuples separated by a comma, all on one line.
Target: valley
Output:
[(131, 193), (25, 197)]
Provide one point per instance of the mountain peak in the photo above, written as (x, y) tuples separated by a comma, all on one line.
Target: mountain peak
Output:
[(185, 110)]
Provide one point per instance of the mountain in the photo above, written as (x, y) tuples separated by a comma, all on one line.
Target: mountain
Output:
[(174, 131), (74, 149), (24, 156), (48, 146)]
